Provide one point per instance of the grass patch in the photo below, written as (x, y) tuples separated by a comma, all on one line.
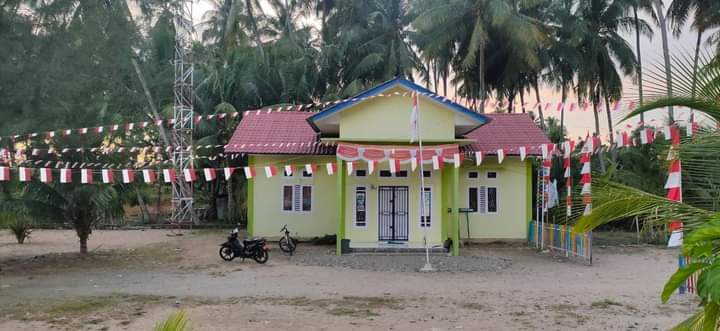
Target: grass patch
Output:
[(604, 304), (353, 306)]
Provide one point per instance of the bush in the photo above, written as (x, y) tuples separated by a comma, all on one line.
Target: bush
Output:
[(21, 228)]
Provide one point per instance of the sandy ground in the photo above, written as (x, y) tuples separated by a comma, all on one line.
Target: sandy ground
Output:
[(136, 278)]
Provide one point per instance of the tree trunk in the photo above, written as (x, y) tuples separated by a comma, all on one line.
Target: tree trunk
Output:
[(537, 99), (609, 118), (666, 53), (639, 61), (83, 245), (522, 100), (563, 92), (595, 100), (481, 78), (693, 90), (143, 207), (445, 77)]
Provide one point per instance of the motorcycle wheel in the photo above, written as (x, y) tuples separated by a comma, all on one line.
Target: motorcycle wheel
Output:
[(285, 246), (261, 256), (226, 253)]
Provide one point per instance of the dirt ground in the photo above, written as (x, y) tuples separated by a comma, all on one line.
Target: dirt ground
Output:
[(133, 279)]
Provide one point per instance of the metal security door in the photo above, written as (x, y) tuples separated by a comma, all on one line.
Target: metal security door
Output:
[(393, 213)]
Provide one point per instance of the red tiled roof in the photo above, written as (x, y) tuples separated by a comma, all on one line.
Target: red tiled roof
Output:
[(508, 132), (285, 132), (288, 132)]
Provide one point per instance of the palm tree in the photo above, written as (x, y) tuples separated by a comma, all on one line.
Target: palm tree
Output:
[(601, 48), (662, 22), (699, 210), (563, 53), (473, 25), (706, 14), (646, 6)]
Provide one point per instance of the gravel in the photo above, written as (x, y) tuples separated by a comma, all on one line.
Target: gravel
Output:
[(404, 263)]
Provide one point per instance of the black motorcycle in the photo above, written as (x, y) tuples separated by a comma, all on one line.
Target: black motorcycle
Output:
[(255, 248)]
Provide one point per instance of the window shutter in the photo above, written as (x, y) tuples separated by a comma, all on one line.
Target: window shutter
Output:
[(482, 199), (297, 198)]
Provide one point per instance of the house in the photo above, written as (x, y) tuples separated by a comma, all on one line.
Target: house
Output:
[(351, 170)]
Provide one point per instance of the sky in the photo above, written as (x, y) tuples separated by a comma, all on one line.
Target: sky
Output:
[(579, 123)]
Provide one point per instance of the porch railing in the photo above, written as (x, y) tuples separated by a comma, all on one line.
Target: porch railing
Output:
[(561, 238)]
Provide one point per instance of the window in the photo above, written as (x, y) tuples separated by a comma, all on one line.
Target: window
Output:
[(492, 175), (472, 174), (398, 174), (307, 174), (473, 199), (297, 198), (427, 174), (483, 199), (425, 221), (287, 198), (360, 205), (361, 173), (492, 203)]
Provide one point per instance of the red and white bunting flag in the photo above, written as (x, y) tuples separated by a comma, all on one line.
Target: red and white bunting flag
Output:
[(568, 184), (107, 176), (86, 176), (310, 168), (631, 105), (690, 128), (82, 131), (210, 174), (128, 176), (66, 132), (647, 135), (673, 181), (523, 153), (547, 150), (24, 174), (586, 181), (169, 175), (414, 119), (148, 176), (249, 172), (4, 174), (270, 171), (626, 139), (371, 166), (456, 160), (288, 170), (437, 162), (478, 158), (665, 130), (189, 175), (129, 127), (394, 165), (559, 107), (331, 168), (45, 175), (50, 135), (616, 106), (228, 172), (414, 162), (572, 107), (65, 176), (675, 135), (546, 164), (500, 155), (350, 167)]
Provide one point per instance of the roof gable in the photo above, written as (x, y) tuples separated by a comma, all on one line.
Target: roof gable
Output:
[(327, 121)]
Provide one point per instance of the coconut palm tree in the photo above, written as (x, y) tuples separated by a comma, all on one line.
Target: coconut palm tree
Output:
[(640, 29), (602, 50), (479, 28), (699, 210)]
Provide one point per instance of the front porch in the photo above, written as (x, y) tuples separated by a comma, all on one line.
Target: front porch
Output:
[(380, 212)]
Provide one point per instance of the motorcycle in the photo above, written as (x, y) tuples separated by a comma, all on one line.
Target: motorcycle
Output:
[(256, 248)]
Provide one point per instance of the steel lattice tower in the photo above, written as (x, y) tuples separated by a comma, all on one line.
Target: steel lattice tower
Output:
[(182, 199)]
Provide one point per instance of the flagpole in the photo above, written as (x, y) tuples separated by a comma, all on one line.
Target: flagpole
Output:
[(427, 267)]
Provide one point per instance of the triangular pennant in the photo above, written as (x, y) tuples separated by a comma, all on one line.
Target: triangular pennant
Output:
[(249, 172), (24, 174), (46, 175), (148, 176), (478, 158), (128, 176)]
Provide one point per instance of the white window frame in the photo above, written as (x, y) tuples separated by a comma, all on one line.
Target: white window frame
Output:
[(355, 222), (482, 206), (420, 209), (487, 175), (355, 173), (297, 189), (393, 175), (473, 171)]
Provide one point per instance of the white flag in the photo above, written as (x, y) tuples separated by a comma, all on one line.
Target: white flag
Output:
[(414, 119)]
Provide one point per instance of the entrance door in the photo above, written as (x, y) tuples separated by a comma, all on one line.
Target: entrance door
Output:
[(393, 213)]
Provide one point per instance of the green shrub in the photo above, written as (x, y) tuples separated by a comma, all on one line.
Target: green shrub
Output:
[(21, 228), (175, 322)]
